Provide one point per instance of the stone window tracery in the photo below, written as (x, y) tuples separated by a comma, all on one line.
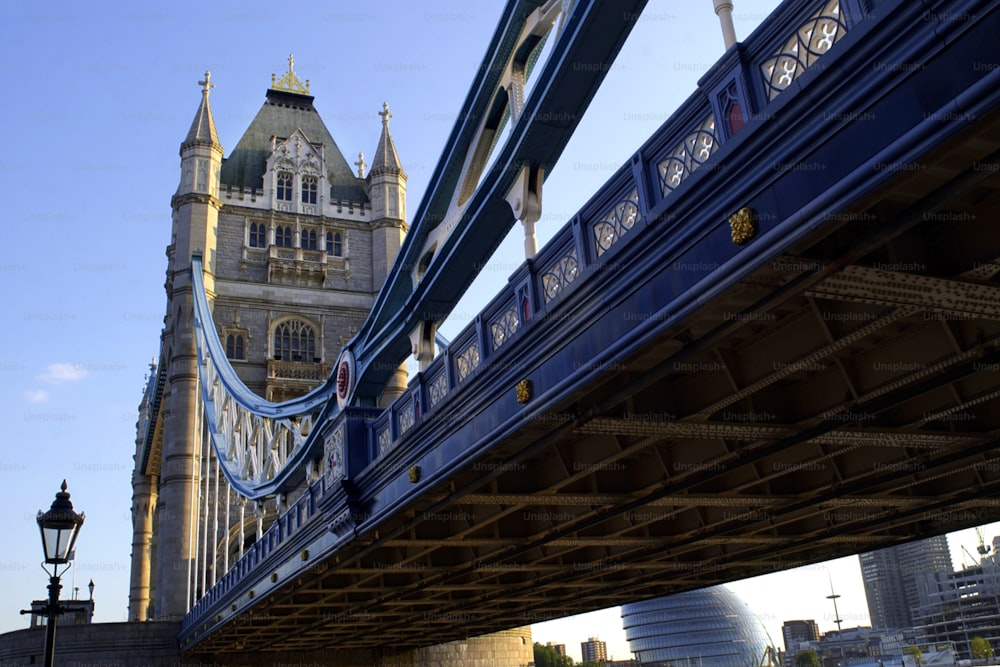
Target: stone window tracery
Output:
[(295, 340), (284, 181), (236, 345), (258, 235), (334, 244), (308, 239), (310, 187), (283, 236)]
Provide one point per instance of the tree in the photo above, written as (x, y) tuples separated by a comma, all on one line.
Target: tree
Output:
[(980, 648), (807, 658), (915, 653), (546, 656)]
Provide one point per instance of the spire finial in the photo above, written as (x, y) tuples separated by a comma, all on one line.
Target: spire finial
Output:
[(385, 114), (289, 81), (361, 164), (207, 84)]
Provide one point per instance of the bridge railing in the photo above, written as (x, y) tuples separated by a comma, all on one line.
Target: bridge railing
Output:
[(284, 527), (732, 95)]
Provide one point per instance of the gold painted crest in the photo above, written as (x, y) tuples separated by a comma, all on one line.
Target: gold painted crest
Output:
[(524, 391), (743, 225)]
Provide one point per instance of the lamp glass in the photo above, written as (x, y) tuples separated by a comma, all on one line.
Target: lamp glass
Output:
[(59, 527), (58, 541)]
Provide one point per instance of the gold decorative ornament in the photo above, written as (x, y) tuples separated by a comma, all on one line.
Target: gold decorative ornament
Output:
[(274, 577), (289, 82), (304, 555), (414, 474), (524, 391), (743, 225)]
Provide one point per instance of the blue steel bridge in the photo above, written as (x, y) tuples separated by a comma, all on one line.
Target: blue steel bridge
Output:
[(770, 339)]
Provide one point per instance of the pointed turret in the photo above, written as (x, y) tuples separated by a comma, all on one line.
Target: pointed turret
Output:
[(387, 193), (386, 160), (196, 208), (203, 126), (201, 152), (386, 178)]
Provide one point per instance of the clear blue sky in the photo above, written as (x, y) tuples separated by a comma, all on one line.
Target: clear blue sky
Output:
[(98, 100)]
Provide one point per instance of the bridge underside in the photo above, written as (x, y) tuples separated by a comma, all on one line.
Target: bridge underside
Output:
[(845, 396)]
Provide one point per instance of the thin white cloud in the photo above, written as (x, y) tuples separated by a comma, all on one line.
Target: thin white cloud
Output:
[(61, 373), (37, 395)]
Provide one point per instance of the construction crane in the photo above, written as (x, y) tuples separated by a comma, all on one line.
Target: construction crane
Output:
[(983, 549)]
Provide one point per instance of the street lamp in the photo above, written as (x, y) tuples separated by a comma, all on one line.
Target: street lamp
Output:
[(60, 527)]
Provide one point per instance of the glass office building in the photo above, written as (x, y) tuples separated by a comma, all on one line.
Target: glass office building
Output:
[(711, 627)]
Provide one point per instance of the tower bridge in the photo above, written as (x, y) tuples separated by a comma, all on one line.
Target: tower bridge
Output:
[(770, 339)]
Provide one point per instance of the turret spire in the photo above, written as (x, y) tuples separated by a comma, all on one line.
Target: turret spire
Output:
[(386, 160), (203, 126)]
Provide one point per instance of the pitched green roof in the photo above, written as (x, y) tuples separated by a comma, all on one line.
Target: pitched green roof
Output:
[(282, 114)]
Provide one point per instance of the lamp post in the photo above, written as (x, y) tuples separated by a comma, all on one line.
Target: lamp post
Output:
[(59, 527)]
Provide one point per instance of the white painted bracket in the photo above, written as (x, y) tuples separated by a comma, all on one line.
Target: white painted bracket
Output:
[(525, 199)]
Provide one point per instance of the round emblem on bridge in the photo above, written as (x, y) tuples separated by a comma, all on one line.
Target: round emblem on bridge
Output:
[(345, 377)]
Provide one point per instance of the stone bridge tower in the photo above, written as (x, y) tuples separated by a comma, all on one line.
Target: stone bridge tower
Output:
[(295, 252), (296, 245)]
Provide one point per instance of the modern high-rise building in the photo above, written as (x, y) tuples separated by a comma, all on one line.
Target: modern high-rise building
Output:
[(899, 579), (594, 649), (796, 634), (560, 649), (964, 605)]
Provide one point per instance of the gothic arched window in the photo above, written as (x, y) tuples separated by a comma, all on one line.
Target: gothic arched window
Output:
[(308, 239), (234, 347), (294, 340), (284, 186), (257, 235), (334, 244), (283, 236), (309, 188)]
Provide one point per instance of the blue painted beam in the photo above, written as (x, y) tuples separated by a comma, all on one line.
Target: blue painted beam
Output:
[(571, 341), (594, 33)]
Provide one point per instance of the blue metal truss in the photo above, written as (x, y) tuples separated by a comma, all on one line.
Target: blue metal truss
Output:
[(424, 284)]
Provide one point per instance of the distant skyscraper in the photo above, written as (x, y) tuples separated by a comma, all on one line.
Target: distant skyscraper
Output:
[(594, 649), (899, 579), (560, 649), (799, 631), (796, 633)]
